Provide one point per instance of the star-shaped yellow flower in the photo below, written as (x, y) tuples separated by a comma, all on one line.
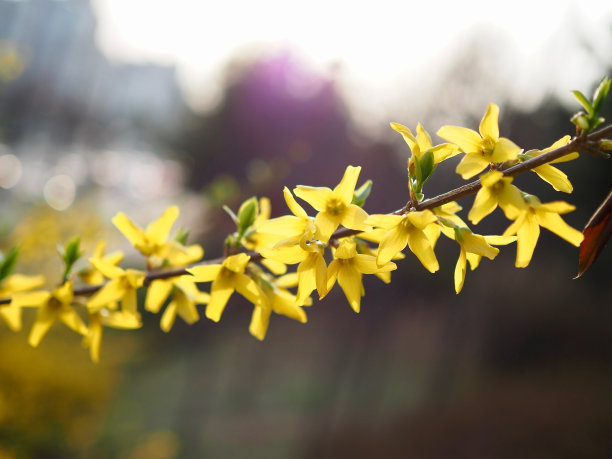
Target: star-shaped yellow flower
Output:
[(121, 287), (91, 275), (480, 149), (280, 301), (421, 144), (527, 226), (334, 206), (226, 278), (402, 231), (185, 296), (348, 268), (496, 190), (52, 306), (551, 174), (14, 284)]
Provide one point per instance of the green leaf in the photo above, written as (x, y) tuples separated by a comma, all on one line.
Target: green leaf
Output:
[(361, 194), (8, 262), (70, 253), (181, 236), (247, 214), (600, 95), (427, 166), (583, 101), (417, 170)]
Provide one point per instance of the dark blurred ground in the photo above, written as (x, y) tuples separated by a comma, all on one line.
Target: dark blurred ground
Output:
[(518, 365)]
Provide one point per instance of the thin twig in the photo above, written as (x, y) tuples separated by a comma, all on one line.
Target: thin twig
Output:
[(576, 144)]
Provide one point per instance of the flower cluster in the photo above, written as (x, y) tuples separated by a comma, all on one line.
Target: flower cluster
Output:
[(338, 243)]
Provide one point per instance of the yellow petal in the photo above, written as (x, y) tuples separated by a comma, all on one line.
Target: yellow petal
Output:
[(460, 269), (489, 124), (476, 243), (284, 303), (186, 309), (366, 264), (354, 217), (108, 270), (288, 255), (12, 317), (220, 293), (64, 293), (423, 139), (393, 242), (444, 151), (287, 225), (129, 302), (32, 299), (20, 283), (406, 134), (249, 289), (384, 221), (276, 267), (168, 317), (471, 164), (307, 280), (484, 204), (345, 189), (287, 281), (93, 340), (528, 235), (557, 207), (350, 281), (159, 230), (505, 150), (420, 246), (317, 197), (44, 319), (466, 139), (260, 319), (332, 275), (122, 320), (326, 224), (237, 263), (205, 273), (553, 222), (555, 177), (320, 274), (346, 249), (113, 291), (421, 219), (293, 205), (132, 232), (68, 315), (158, 292)]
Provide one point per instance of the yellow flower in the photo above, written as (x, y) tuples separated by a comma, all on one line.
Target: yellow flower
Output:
[(480, 149), (153, 242), (334, 206), (551, 174), (496, 190), (280, 301), (348, 267), (447, 217), (17, 283), (121, 287), (402, 231), (185, 296), (527, 226), (289, 229), (422, 144), (473, 248), (312, 269), (226, 278), (51, 307), (92, 276), (104, 318)]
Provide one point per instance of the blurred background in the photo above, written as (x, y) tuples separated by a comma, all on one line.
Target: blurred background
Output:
[(132, 105)]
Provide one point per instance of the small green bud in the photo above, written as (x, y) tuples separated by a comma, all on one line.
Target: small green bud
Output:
[(581, 121), (247, 214), (8, 262), (70, 253), (605, 144), (361, 194)]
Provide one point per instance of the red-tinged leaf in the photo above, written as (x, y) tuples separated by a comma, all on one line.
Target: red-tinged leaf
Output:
[(596, 234)]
